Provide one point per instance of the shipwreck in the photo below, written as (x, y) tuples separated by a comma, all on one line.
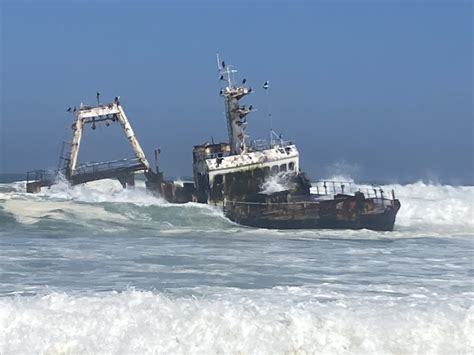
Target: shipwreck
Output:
[(230, 174)]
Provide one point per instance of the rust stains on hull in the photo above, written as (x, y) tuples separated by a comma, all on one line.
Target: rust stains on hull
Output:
[(342, 212)]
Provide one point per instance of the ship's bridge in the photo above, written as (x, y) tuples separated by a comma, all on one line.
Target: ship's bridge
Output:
[(271, 161), (239, 167)]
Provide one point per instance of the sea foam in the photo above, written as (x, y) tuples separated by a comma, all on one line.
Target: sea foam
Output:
[(134, 322), (426, 209)]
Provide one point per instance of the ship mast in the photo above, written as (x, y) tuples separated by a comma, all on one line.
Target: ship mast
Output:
[(234, 112)]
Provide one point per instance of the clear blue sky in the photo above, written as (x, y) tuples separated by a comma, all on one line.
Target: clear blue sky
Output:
[(383, 88)]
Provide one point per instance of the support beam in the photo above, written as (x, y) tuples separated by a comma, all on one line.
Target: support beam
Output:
[(75, 144), (127, 128), (87, 114)]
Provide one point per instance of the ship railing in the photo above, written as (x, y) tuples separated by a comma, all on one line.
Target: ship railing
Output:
[(333, 187), (213, 155), (234, 202), (264, 144), (90, 168), (377, 203), (43, 177), (257, 205)]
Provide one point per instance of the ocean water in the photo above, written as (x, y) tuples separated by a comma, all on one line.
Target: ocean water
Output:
[(98, 269)]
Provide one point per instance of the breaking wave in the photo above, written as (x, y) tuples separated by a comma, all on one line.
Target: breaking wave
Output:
[(441, 208), (275, 183), (427, 209), (269, 321), (200, 294), (432, 208), (103, 205)]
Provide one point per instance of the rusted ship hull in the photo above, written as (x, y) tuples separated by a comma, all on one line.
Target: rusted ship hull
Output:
[(380, 222), (331, 214)]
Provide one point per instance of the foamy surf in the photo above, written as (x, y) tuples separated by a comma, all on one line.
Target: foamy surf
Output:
[(93, 204), (99, 269), (427, 209), (135, 322)]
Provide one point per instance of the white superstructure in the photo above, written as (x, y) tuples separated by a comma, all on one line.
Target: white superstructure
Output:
[(272, 160), (222, 169)]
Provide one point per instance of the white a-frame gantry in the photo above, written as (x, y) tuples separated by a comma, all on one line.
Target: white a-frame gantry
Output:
[(110, 112)]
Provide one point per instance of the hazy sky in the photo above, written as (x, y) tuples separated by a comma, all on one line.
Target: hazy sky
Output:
[(382, 90)]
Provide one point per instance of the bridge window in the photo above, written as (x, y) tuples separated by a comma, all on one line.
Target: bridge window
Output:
[(266, 170), (283, 167), (291, 166), (275, 169)]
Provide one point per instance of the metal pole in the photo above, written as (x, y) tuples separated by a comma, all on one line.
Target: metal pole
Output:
[(157, 159)]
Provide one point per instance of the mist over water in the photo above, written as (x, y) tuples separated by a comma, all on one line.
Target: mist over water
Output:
[(95, 268)]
